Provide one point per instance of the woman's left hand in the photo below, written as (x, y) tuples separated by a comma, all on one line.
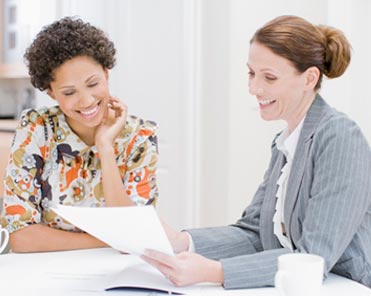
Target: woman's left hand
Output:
[(185, 268), (112, 124)]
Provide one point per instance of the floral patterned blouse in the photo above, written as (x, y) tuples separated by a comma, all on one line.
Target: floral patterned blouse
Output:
[(49, 164)]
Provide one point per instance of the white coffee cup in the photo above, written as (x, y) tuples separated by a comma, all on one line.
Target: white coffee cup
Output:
[(4, 239), (299, 274)]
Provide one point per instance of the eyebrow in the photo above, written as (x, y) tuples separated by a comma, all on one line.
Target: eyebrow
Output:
[(264, 69), (91, 77), (86, 81)]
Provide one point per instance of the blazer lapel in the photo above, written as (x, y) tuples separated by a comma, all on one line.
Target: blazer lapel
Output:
[(301, 154), (269, 240)]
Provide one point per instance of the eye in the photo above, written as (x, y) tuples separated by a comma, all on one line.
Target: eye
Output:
[(69, 93), (93, 84), (251, 74), (270, 78)]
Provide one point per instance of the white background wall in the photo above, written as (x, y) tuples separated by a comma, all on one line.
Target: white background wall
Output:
[(183, 64)]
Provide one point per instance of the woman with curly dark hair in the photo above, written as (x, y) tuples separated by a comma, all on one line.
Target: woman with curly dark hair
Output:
[(85, 151)]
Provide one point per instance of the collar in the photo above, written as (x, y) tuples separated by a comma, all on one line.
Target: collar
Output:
[(287, 143)]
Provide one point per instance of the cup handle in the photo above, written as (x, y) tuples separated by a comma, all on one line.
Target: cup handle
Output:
[(5, 235), (280, 281)]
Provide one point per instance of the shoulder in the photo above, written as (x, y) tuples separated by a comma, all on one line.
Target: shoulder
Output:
[(139, 128), (137, 132), (38, 117), (38, 125), (338, 132), (337, 123), (137, 124)]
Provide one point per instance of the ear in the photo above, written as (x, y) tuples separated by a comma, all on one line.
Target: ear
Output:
[(106, 73), (311, 77), (50, 93)]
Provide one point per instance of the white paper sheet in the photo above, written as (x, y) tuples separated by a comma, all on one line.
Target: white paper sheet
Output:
[(127, 229)]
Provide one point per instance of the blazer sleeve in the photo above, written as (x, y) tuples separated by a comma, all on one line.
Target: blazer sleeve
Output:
[(235, 241)]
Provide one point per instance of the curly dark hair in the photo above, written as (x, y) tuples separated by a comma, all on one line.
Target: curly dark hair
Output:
[(61, 41)]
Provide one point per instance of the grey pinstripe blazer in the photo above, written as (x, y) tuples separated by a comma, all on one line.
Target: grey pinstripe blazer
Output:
[(327, 208)]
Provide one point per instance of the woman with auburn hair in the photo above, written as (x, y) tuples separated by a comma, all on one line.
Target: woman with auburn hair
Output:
[(315, 196)]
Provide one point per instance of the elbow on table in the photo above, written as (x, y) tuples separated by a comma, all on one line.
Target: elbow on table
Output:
[(17, 244), (21, 241)]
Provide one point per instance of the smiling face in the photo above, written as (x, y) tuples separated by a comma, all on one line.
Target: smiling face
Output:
[(282, 92), (80, 87)]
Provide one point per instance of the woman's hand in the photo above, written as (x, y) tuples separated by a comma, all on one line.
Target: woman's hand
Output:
[(179, 240), (112, 124), (185, 268)]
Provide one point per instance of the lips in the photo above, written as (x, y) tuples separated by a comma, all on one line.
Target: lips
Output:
[(266, 102), (91, 112)]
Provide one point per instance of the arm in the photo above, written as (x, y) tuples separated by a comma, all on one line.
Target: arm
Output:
[(211, 244), (113, 187), (130, 177), (41, 238), (244, 236), (112, 124)]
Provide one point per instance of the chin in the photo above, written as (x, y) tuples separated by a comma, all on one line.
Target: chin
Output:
[(267, 118), (94, 123)]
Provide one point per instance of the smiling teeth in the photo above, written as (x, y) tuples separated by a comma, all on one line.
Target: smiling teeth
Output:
[(265, 102), (90, 112)]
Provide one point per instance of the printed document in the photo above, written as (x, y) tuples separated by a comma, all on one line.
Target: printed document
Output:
[(127, 229)]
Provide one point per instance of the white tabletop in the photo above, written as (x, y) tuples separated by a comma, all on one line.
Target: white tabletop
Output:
[(84, 272)]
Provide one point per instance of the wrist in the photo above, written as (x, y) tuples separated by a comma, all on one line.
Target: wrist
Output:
[(215, 272), (183, 242), (104, 149)]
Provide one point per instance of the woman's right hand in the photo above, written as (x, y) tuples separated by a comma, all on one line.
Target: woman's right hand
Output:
[(179, 239), (113, 122), (185, 268)]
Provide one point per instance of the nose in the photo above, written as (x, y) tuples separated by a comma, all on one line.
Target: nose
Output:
[(255, 87), (259, 92), (86, 100)]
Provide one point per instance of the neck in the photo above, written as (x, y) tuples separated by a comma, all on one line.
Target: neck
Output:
[(86, 134), (301, 112), (88, 139)]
